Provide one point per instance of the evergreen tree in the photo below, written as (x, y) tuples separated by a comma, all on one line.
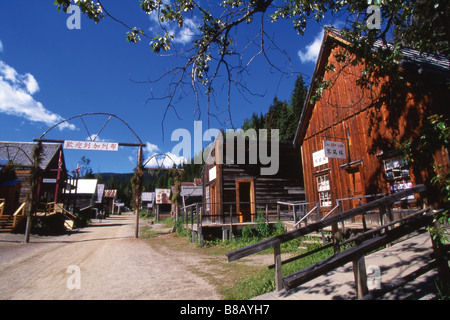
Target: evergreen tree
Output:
[(298, 97)]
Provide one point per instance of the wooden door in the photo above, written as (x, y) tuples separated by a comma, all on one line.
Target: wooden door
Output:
[(245, 199), (212, 199), (355, 190), (358, 190)]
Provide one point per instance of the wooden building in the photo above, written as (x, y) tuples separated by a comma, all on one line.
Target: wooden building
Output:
[(83, 194), (365, 125), (53, 169), (108, 201), (242, 187)]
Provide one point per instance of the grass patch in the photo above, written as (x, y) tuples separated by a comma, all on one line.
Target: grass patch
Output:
[(264, 281)]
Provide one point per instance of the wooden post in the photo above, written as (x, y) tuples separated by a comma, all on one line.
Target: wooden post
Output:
[(336, 237), (277, 262), (293, 213), (359, 271), (199, 227), (442, 263), (192, 225), (231, 222), (139, 173), (382, 211), (278, 212)]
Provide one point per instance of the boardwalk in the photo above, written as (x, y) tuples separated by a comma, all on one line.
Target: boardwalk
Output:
[(394, 262)]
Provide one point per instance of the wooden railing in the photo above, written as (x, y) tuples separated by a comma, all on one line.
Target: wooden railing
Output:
[(194, 216), (365, 243), (2, 206), (52, 207), (20, 213)]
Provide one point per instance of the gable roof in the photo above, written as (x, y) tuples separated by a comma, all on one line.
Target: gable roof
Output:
[(13, 151), (433, 62)]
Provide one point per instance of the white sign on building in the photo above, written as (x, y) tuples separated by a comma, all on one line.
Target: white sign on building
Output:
[(319, 158), (212, 173), (334, 149)]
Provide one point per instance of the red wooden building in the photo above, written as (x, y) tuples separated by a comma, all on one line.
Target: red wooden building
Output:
[(364, 125)]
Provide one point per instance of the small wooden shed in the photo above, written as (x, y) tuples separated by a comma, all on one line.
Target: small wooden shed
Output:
[(241, 189)]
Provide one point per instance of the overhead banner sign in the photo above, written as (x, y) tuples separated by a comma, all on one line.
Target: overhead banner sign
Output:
[(334, 149), (91, 145)]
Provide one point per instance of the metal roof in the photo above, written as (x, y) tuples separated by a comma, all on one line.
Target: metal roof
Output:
[(110, 193), (408, 54), (192, 191), (11, 151)]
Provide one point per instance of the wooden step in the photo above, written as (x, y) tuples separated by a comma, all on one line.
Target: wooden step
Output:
[(7, 222)]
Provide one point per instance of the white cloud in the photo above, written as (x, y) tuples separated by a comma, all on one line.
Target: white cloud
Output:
[(186, 33), (311, 51), (16, 99), (182, 35), (151, 148), (163, 161), (159, 158), (31, 83)]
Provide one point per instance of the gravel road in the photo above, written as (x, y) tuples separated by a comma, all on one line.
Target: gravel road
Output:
[(110, 263)]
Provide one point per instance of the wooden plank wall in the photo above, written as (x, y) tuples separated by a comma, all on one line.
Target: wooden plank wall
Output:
[(367, 125), (286, 185)]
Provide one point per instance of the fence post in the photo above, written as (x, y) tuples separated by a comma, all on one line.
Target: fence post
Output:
[(295, 216), (231, 222), (336, 237), (277, 262), (359, 271), (199, 227), (278, 212), (192, 225), (442, 263)]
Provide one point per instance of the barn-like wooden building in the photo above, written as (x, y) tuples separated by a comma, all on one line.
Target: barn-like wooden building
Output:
[(366, 125), (240, 188)]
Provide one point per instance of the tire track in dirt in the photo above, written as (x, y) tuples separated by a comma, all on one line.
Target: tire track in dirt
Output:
[(113, 265)]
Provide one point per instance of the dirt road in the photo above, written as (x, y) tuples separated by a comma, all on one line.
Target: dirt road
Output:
[(110, 263)]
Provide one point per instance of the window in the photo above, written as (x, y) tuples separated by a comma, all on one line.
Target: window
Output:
[(323, 187), (397, 174)]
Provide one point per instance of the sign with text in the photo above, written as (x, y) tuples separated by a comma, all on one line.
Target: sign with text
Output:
[(163, 196), (334, 149), (319, 158), (91, 145)]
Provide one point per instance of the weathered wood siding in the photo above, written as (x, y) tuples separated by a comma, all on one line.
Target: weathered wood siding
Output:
[(369, 122), (285, 185)]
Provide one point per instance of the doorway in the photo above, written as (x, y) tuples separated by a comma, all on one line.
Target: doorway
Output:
[(355, 190), (245, 199), (212, 195)]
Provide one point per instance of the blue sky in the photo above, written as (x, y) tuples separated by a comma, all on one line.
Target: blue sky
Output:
[(49, 73)]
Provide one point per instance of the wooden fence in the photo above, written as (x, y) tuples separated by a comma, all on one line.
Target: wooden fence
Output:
[(364, 244), (193, 216)]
